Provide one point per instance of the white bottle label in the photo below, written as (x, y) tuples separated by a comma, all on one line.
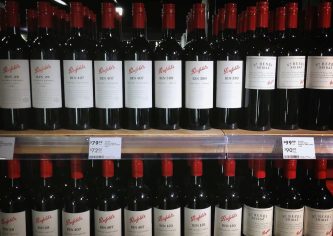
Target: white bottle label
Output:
[(319, 73), (138, 84), (288, 222), (107, 222), (318, 222), (138, 223), (229, 84), (228, 222), (291, 72), (168, 84), (78, 82), (108, 84), (45, 223), (46, 83), (197, 222), (167, 222), (199, 84), (14, 84), (260, 72), (74, 224), (13, 224), (257, 221)]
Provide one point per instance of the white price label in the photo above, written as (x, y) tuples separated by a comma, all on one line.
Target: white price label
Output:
[(298, 148), (7, 148), (104, 148)]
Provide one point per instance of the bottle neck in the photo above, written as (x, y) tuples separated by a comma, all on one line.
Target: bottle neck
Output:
[(259, 182), (45, 31), (46, 181), (138, 182), (262, 31), (168, 33), (197, 180), (107, 33), (77, 182), (14, 182), (291, 32), (77, 32), (167, 181), (290, 182), (139, 33), (321, 183), (108, 181), (13, 30), (199, 34), (229, 33), (230, 180)]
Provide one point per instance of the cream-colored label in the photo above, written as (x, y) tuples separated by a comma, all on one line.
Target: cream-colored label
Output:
[(291, 72), (197, 222), (45, 223), (257, 221), (13, 224), (228, 222), (318, 222), (76, 224), (288, 222), (138, 223), (167, 222), (319, 74), (107, 222)]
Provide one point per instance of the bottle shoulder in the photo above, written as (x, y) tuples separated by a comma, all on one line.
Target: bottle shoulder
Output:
[(138, 46), (168, 47), (198, 49)]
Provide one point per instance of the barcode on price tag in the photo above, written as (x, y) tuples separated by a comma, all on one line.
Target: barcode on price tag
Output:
[(104, 148), (7, 148), (298, 148)]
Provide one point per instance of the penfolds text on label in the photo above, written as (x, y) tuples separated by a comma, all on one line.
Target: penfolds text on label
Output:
[(197, 70), (230, 70), (74, 70), (324, 65), (74, 220), (41, 69), (8, 221), (165, 217), (198, 217), (164, 70), (136, 69), (106, 69), (137, 219), (228, 218), (104, 220), (41, 220), (266, 232), (10, 69)]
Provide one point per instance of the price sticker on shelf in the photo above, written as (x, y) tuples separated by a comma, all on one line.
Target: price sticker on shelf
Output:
[(298, 148), (7, 148), (104, 148)]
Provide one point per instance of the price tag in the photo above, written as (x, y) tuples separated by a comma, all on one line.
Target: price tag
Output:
[(298, 148), (7, 148), (104, 148)]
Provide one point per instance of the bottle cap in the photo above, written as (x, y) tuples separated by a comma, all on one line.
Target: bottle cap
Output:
[(108, 15), (76, 169), (230, 16), (14, 169), (251, 16), (137, 167), (324, 15), (262, 14), (46, 166), (138, 15), (12, 13), (169, 16), (44, 14), (280, 19), (197, 167), (260, 169), (292, 15), (199, 16), (321, 169), (108, 168), (167, 167), (76, 12), (229, 167), (290, 169)]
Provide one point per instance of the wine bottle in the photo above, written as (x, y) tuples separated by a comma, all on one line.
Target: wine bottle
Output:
[(289, 207), (107, 211), (2, 23), (279, 22), (46, 203), (167, 210), (76, 210), (290, 75), (306, 180), (45, 73), (275, 179), (15, 208), (229, 75), (168, 74), (197, 211), (138, 74), (221, 25), (15, 96), (108, 74), (228, 211), (138, 209), (32, 25), (319, 205), (258, 208), (319, 74), (260, 74), (77, 73)]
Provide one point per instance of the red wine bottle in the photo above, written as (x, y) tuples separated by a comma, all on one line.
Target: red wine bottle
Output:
[(221, 25), (258, 208), (319, 74), (46, 203), (76, 210), (279, 22), (289, 207), (108, 74), (107, 211), (138, 209), (167, 210), (15, 208), (32, 25), (168, 74), (45, 73), (214, 41), (260, 74), (138, 74), (305, 180), (2, 23), (275, 179), (228, 211), (78, 75), (319, 204), (197, 211), (15, 96), (229, 75)]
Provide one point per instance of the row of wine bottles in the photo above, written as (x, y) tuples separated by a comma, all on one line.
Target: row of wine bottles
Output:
[(99, 206)]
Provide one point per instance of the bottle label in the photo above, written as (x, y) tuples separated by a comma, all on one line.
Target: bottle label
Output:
[(138, 223), (197, 222), (228, 222), (257, 221), (138, 84), (199, 84), (78, 82), (288, 221), (14, 84), (13, 224), (319, 74), (107, 222), (74, 224), (46, 83), (108, 84), (318, 222), (168, 84), (167, 222), (260, 72), (229, 84), (291, 72), (45, 223)]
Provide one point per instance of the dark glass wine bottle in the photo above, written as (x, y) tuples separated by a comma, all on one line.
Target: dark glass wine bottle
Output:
[(32, 25), (214, 41), (2, 23), (168, 74), (305, 180), (279, 22), (15, 95), (275, 179), (108, 74)]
